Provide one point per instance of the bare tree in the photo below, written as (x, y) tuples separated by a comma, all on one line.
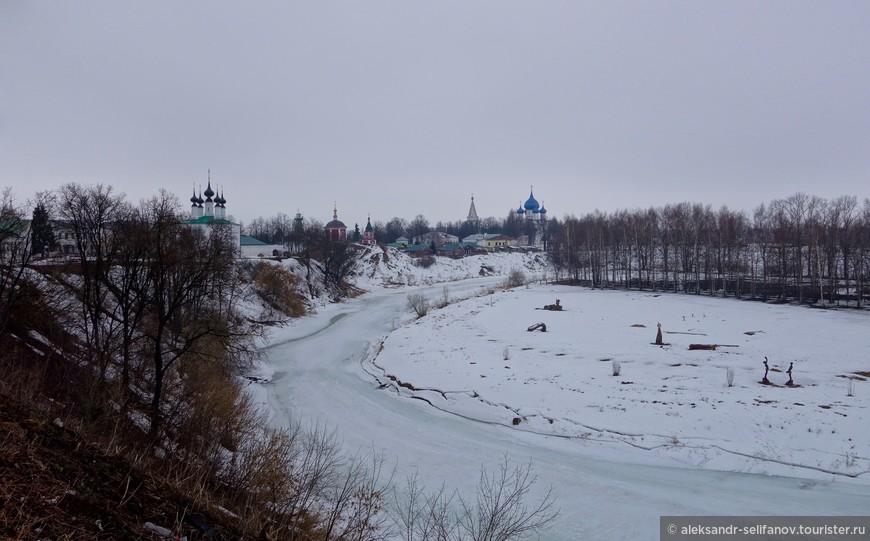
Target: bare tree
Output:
[(192, 277), (89, 214), (129, 283), (797, 208), (418, 226), (847, 215), (861, 254), (339, 258), (395, 228)]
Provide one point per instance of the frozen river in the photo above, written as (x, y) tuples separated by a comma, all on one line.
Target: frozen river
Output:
[(318, 376)]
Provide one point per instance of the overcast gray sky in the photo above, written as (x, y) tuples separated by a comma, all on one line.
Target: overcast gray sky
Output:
[(398, 108)]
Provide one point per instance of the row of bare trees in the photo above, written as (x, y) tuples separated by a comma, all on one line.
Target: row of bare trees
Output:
[(802, 248)]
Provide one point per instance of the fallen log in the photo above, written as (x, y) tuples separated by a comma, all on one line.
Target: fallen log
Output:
[(712, 346)]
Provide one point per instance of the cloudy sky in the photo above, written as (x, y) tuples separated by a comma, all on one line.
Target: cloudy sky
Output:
[(397, 108)]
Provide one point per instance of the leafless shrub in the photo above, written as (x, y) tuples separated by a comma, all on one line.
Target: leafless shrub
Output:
[(217, 413), (729, 376), (500, 511), (445, 296), (850, 459), (356, 502), (423, 516), (278, 477), (418, 304), (515, 278), (444, 299), (615, 366), (425, 261)]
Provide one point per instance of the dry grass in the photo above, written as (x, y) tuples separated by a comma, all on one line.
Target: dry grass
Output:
[(279, 289), (57, 486)]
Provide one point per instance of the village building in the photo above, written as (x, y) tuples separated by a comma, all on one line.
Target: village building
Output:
[(252, 248), (457, 249), (335, 229), (436, 237), (418, 250), (495, 242)]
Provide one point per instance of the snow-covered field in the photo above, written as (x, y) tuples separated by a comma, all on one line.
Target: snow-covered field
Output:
[(665, 437), (667, 401)]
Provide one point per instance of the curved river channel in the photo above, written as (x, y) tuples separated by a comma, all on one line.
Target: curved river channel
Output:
[(319, 376)]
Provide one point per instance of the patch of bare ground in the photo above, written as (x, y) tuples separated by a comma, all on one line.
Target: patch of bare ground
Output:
[(58, 485)]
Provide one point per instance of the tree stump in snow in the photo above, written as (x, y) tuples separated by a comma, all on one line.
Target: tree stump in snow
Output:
[(659, 336), (554, 307), (537, 326)]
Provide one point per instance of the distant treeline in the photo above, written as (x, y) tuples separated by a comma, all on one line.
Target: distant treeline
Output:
[(802, 248), (281, 228)]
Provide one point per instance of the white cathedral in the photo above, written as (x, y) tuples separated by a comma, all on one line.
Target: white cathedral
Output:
[(211, 211)]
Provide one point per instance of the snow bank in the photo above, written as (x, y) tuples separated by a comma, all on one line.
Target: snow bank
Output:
[(476, 359)]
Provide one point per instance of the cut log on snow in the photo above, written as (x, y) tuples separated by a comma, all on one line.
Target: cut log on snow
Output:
[(712, 346), (536, 326)]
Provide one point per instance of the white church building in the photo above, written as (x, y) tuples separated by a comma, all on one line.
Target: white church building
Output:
[(212, 211)]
